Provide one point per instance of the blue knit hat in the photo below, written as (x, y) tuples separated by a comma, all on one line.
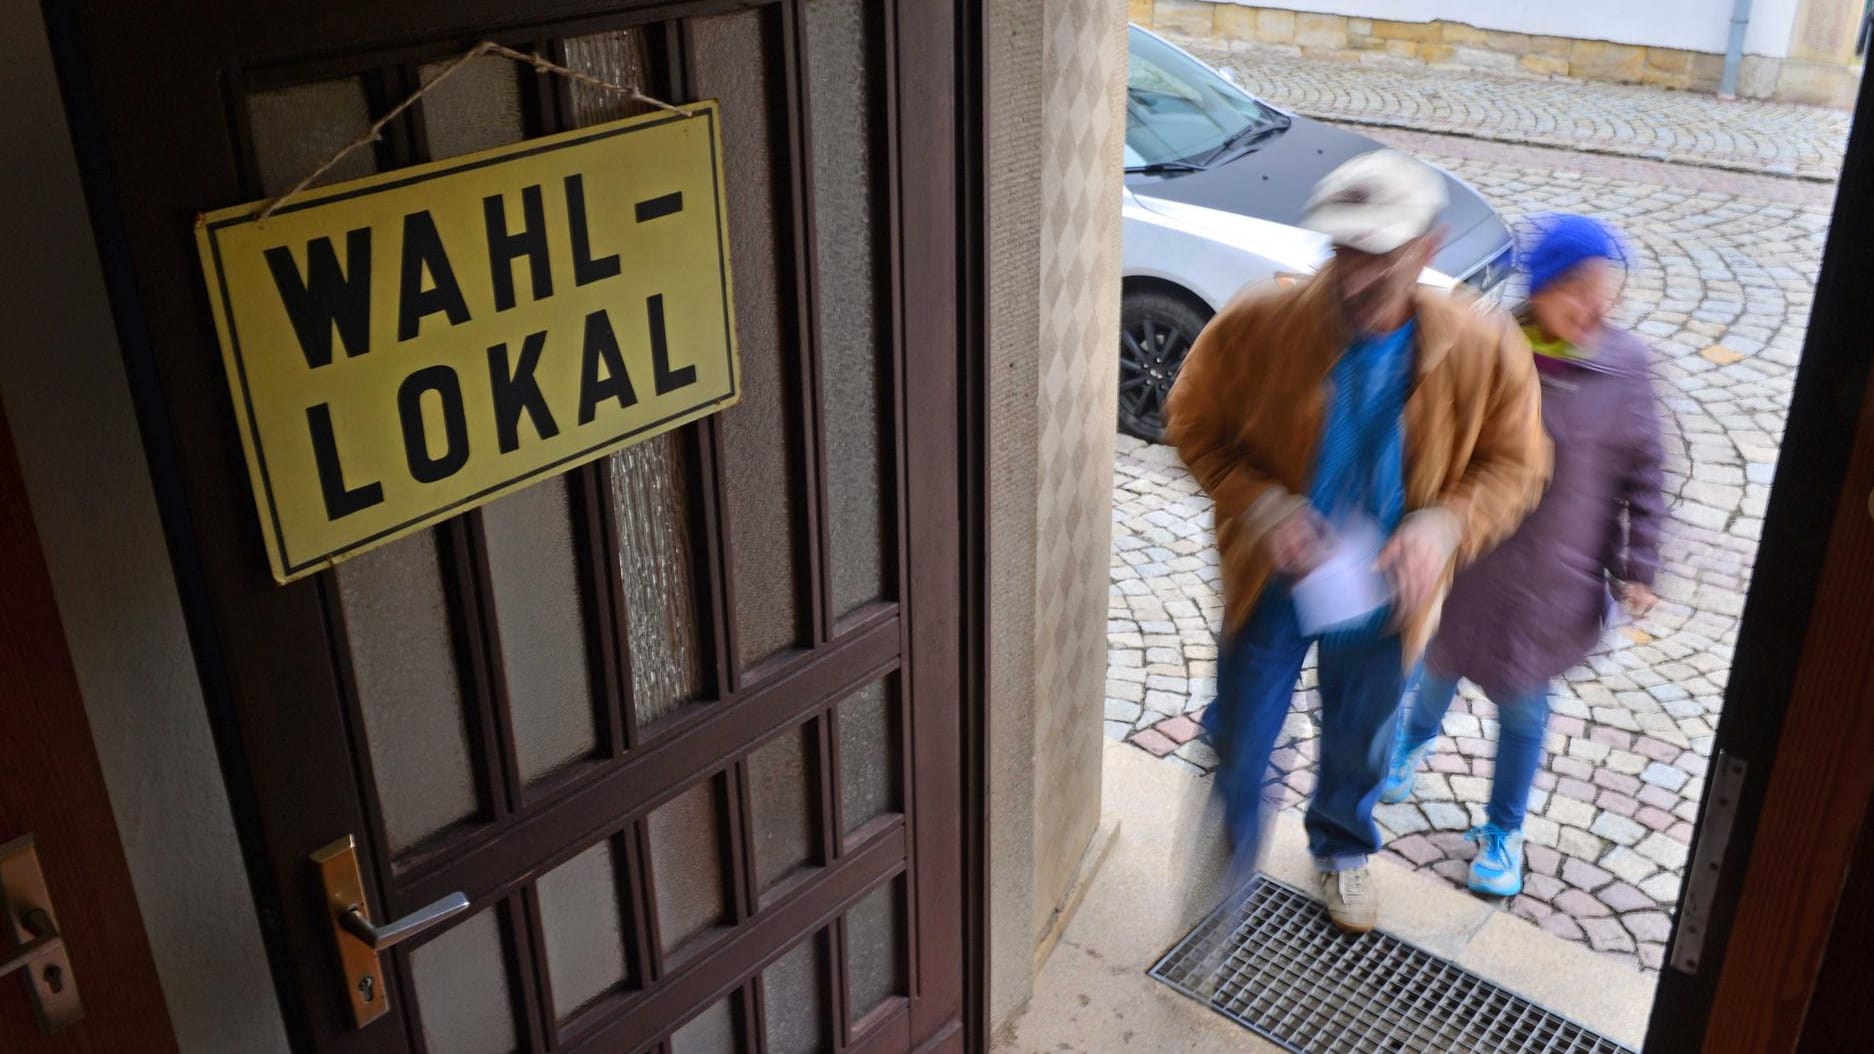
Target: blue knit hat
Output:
[(1563, 242)]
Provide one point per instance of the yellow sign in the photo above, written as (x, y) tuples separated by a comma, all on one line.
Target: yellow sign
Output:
[(404, 347)]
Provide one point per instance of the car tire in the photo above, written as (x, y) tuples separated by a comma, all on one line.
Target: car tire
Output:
[(1156, 329)]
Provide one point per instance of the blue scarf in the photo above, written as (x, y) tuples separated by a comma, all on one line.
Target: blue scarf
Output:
[(1360, 468), (1361, 464)]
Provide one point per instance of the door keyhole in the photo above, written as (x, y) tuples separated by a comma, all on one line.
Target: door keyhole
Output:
[(367, 988), (54, 979)]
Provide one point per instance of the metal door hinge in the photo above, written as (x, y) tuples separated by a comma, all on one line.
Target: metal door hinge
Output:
[(1701, 879)]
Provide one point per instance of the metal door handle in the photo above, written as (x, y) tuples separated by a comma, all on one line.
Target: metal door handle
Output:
[(378, 938), (357, 939), (45, 938), (31, 926)]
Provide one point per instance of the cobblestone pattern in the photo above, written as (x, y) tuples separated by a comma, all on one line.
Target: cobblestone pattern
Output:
[(1630, 120), (1721, 286)]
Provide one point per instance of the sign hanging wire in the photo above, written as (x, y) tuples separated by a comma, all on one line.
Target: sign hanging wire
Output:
[(540, 63)]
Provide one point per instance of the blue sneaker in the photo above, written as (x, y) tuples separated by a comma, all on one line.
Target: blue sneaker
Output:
[(1497, 869), (1397, 786)]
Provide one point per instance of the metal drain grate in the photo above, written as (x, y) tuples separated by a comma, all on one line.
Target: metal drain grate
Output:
[(1275, 965)]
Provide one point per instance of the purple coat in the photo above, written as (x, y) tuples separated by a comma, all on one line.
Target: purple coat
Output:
[(1533, 607)]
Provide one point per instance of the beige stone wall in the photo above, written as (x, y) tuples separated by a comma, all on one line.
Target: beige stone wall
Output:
[(1056, 129), (1820, 71), (1014, 114), (1821, 51), (1824, 31)]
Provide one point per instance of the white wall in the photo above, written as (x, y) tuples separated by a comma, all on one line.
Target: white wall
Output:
[(1694, 25), (68, 402)]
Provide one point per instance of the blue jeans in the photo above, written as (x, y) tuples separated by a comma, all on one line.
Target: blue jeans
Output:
[(1521, 721), (1362, 679)]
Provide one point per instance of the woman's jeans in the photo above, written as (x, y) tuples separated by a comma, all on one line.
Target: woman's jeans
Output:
[(1362, 679), (1522, 720)]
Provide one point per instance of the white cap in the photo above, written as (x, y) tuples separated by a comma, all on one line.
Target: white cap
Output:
[(1377, 202)]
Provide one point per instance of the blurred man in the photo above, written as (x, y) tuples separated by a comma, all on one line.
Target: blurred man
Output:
[(1352, 401)]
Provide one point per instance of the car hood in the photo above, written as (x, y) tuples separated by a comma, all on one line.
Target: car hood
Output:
[(1272, 183)]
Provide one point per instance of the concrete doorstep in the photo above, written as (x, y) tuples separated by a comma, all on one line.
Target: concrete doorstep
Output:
[(1099, 848), (1093, 994)]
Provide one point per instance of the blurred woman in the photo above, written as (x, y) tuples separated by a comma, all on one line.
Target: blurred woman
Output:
[(1536, 605)]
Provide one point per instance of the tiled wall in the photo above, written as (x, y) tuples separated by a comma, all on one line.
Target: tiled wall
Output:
[(1084, 63), (1056, 74)]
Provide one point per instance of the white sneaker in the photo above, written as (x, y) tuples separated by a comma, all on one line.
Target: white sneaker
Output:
[(1352, 902)]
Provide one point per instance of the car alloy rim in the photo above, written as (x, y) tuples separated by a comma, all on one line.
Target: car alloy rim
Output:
[(1149, 355)]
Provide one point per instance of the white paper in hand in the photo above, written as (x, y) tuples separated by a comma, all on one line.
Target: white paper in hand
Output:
[(1347, 586)]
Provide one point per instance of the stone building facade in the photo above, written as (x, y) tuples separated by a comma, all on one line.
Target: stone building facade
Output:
[(1801, 51)]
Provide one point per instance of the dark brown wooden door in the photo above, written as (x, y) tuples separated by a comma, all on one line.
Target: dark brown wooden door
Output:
[(683, 725), (52, 788)]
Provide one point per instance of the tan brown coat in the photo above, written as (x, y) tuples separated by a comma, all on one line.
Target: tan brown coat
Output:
[(1246, 417)]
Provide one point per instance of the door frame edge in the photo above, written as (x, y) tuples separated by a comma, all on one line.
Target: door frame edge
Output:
[(973, 331), (92, 149), (1776, 638)]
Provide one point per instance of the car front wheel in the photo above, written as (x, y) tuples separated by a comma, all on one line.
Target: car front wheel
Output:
[(1156, 329)]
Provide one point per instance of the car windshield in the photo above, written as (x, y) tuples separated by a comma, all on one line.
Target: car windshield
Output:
[(1178, 111)]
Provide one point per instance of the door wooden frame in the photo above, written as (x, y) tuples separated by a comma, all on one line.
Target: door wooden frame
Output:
[(52, 787), (972, 78), (1795, 644), (199, 520), (1799, 708)]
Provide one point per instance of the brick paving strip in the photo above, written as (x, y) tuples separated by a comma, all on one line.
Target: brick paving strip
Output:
[(1686, 128), (1721, 286)]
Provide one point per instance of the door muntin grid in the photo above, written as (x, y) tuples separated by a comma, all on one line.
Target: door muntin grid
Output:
[(596, 724)]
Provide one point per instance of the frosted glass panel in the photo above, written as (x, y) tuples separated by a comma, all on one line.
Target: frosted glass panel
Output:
[(783, 796), (848, 173), (534, 573), (650, 480), (687, 864), (585, 930), (617, 56), (296, 129), (733, 65), (875, 949), (479, 106), (462, 987), (794, 1000), (716, 1031), (403, 661), (651, 495), (868, 755), (396, 613)]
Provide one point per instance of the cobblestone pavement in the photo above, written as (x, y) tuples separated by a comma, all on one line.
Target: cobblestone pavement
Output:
[(1685, 127), (1721, 285)]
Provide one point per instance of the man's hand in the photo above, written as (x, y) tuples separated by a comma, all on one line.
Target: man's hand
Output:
[(1298, 544), (1416, 556), (1638, 598)]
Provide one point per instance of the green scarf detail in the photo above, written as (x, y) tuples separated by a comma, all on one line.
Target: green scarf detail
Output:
[(1553, 348)]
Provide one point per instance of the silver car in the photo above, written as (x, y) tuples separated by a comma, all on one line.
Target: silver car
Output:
[(1215, 185)]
